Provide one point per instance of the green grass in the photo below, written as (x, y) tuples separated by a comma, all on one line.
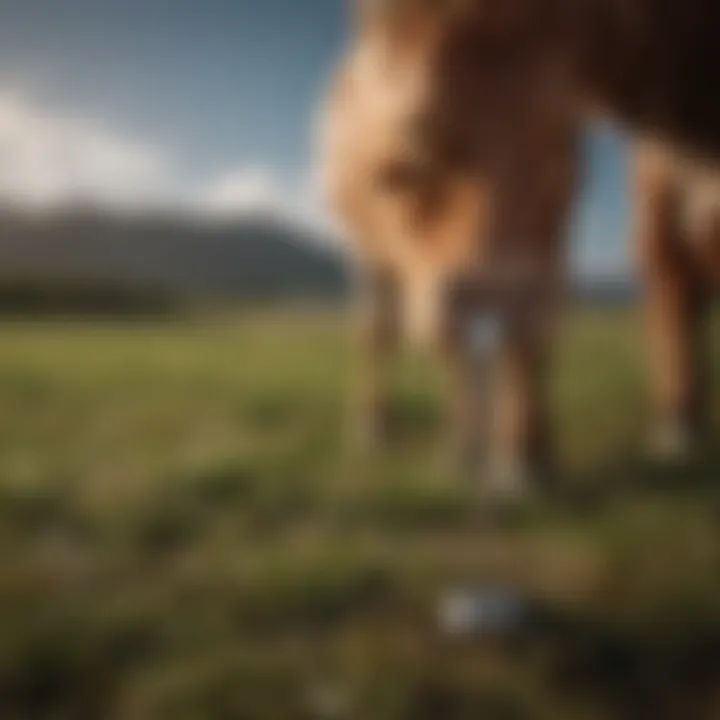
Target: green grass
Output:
[(182, 535)]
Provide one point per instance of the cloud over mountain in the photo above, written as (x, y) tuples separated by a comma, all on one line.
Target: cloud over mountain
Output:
[(51, 159)]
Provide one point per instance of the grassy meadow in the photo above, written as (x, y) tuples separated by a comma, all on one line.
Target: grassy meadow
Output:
[(184, 536)]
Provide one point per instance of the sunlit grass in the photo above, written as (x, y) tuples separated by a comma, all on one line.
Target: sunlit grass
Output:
[(182, 534)]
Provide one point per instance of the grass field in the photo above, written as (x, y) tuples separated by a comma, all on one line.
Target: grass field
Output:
[(182, 536)]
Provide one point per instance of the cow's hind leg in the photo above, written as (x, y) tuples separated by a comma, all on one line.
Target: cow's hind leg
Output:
[(675, 306)]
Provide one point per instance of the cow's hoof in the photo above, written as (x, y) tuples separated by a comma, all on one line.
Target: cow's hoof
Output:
[(672, 442), (458, 460), (509, 480), (369, 441), (368, 436)]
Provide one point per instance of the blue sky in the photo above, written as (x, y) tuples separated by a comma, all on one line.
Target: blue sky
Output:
[(211, 97)]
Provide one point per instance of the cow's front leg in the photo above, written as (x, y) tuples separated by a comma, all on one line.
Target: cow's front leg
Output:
[(378, 340), (520, 453), (498, 355), (469, 352)]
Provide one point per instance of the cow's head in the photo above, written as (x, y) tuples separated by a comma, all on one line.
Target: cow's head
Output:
[(484, 90)]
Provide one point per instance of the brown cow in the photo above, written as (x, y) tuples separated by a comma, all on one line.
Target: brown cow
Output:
[(452, 156)]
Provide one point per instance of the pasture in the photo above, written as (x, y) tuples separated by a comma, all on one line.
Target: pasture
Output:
[(183, 535)]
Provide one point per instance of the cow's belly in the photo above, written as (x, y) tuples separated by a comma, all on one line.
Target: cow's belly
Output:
[(701, 215)]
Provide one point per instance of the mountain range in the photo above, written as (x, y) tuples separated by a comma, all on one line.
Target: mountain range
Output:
[(259, 256), (255, 257)]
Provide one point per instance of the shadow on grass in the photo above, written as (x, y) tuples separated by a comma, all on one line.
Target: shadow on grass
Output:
[(666, 665), (562, 663), (634, 476)]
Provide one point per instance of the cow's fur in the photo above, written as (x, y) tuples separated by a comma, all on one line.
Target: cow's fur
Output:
[(451, 147)]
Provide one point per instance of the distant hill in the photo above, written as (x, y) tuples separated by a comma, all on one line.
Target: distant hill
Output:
[(253, 258), (256, 258), (605, 291)]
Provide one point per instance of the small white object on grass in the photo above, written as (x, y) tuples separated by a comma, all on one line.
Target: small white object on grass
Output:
[(479, 612)]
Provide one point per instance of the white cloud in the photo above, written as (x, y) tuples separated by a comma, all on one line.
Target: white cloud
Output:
[(263, 190), (49, 159), (240, 192)]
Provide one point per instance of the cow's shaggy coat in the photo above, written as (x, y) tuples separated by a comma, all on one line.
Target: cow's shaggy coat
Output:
[(451, 145)]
